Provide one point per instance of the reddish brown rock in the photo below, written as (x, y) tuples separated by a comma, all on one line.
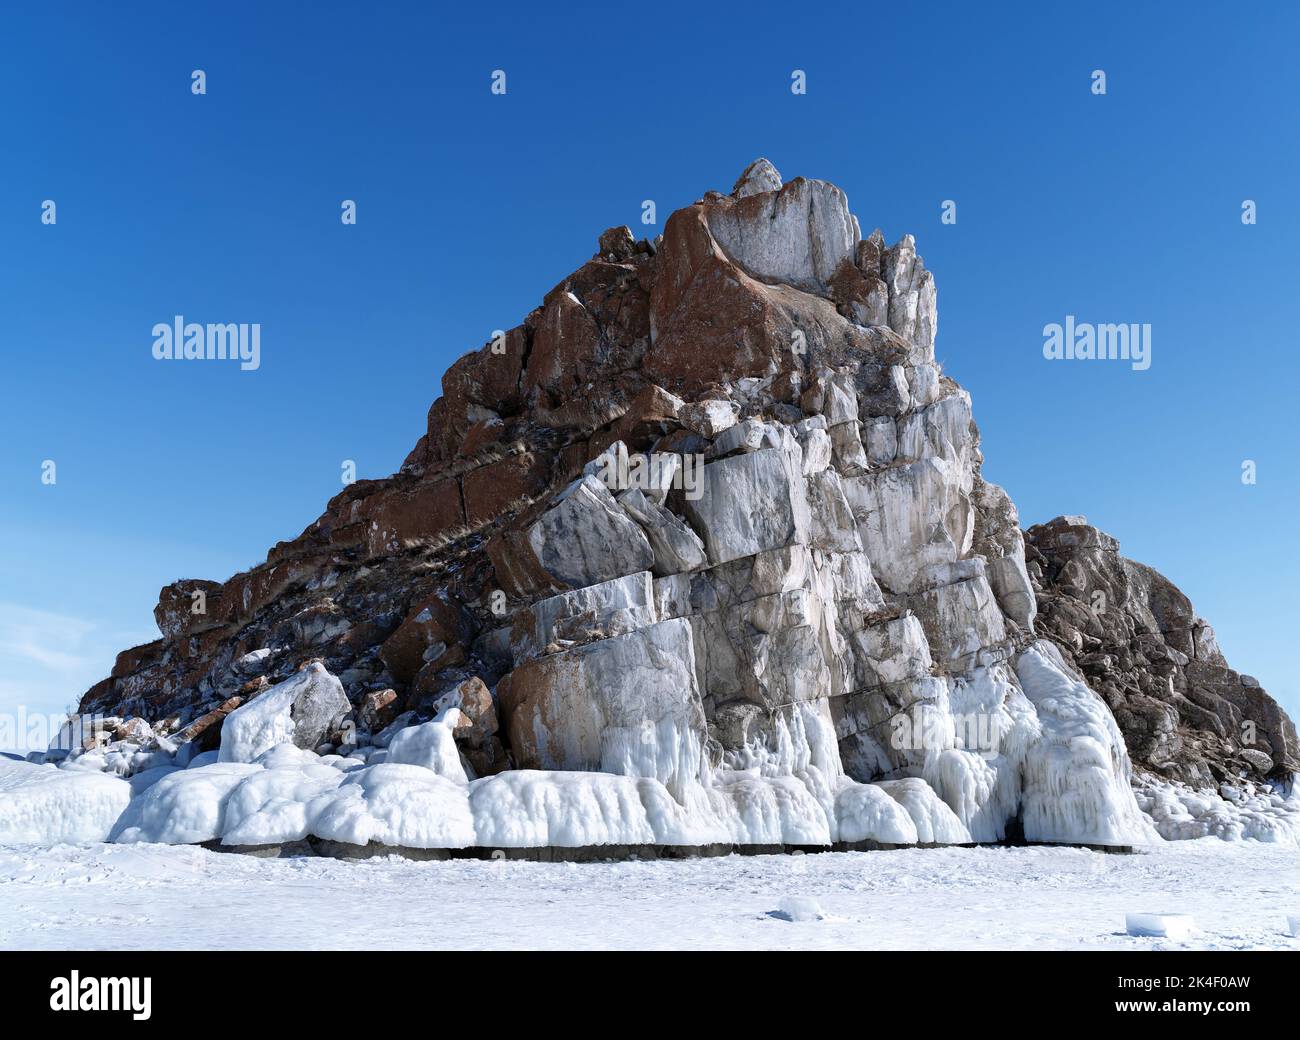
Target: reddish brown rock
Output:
[(493, 489), (431, 622), (188, 605), (487, 379), (378, 708), (517, 570), (404, 515), (482, 435), (132, 660), (205, 731), (565, 347), (432, 678)]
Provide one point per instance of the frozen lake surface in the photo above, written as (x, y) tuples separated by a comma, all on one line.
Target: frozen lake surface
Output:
[(161, 897)]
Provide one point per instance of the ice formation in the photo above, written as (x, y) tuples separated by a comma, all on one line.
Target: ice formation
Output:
[(1265, 812), (46, 805)]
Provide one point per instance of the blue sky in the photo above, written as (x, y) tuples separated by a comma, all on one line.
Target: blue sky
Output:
[(225, 207)]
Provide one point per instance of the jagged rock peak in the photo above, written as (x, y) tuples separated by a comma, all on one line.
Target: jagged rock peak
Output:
[(759, 176)]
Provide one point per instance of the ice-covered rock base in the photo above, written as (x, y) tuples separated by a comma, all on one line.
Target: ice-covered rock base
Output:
[(1264, 812)]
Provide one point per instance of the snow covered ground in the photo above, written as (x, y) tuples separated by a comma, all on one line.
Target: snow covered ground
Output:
[(162, 897)]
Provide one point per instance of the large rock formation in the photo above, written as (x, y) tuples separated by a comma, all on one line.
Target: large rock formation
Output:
[(702, 547)]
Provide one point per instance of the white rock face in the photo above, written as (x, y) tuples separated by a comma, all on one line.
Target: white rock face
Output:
[(959, 618), (796, 235), (912, 300), (676, 547), (611, 607), (912, 517), (891, 652), (587, 538), (627, 705), (833, 526), (752, 503), (759, 176)]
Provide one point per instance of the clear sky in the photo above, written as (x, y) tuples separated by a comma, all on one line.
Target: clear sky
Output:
[(225, 207)]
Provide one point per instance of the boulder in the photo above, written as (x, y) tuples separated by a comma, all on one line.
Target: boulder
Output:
[(377, 709), (676, 547), (303, 710), (709, 417), (587, 538)]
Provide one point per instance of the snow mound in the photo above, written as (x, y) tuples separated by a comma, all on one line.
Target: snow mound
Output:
[(799, 909), (528, 807), (278, 804), (289, 794), (1235, 811), (297, 710), (44, 804), (866, 812), (259, 725), (184, 807), (430, 745), (768, 810), (396, 804)]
